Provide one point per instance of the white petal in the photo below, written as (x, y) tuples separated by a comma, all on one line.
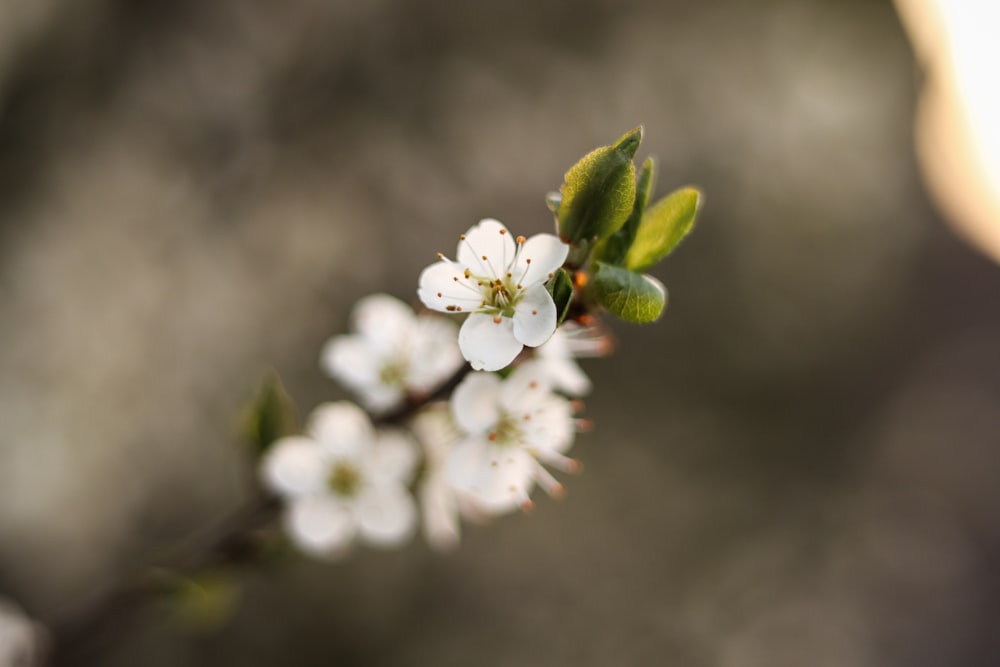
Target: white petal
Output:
[(351, 360), (487, 249), (551, 427), (320, 525), (440, 510), (487, 344), (475, 403), (384, 320), (434, 354), (534, 317), (295, 466), (444, 287), (498, 478), (392, 459), (567, 376), (386, 515), (546, 254), (525, 387), (342, 429)]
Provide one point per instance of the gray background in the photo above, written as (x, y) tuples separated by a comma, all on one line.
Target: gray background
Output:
[(796, 466)]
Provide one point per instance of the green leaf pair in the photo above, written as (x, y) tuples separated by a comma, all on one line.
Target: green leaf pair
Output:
[(604, 214)]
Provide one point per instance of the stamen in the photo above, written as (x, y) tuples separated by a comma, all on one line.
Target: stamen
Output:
[(548, 482), (492, 438), (439, 295), (576, 405), (502, 231), (584, 425), (461, 237), (520, 240), (496, 318), (450, 309), (559, 461), (534, 312)]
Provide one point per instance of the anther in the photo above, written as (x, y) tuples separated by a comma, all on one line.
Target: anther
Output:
[(533, 385), (450, 309), (521, 239), (502, 232), (484, 258), (534, 312), (551, 275), (458, 308), (440, 255), (461, 237), (492, 438), (439, 295), (576, 405), (527, 260), (496, 318)]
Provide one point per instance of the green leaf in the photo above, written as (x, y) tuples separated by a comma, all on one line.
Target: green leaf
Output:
[(598, 192), (614, 249), (202, 602), (663, 227), (270, 416), (632, 296), (560, 287)]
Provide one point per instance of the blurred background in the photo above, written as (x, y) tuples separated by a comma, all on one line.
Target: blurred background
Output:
[(796, 466)]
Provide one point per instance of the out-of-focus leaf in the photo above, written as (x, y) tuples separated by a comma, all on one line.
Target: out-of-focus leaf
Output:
[(201, 603), (270, 416)]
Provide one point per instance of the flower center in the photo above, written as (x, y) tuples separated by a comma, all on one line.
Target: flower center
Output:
[(507, 431), (500, 295), (344, 480), (393, 373)]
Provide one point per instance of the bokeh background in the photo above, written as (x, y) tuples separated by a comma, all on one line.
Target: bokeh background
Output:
[(796, 466)]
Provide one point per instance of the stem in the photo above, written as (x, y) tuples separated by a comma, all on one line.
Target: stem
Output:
[(87, 629)]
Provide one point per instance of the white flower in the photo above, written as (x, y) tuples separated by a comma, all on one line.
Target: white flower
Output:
[(441, 503), (512, 426), (393, 353), (343, 480), (20, 637), (501, 282), (556, 357)]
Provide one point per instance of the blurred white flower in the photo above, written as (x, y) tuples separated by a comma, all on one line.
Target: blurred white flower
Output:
[(20, 637), (556, 356), (511, 427), (441, 503), (393, 353), (501, 282), (343, 480)]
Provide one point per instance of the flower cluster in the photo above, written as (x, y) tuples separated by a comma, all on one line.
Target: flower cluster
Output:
[(449, 440), (476, 455)]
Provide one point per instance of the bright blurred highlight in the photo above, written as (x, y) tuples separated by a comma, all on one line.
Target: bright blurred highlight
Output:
[(958, 138)]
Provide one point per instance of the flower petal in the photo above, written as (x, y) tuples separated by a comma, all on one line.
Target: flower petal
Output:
[(434, 354), (342, 429), (527, 385), (551, 427), (534, 316), (351, 360), (475, 403), (392, 459), (383, 320), (295, 466), (567, 376), (440, 512), (498, 478), (487, 344), (540, 256), (386, 515), (320, 525), (487, 249), (444, 287)]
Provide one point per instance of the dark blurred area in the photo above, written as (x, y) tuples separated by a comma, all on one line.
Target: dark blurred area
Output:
[(796, 466)]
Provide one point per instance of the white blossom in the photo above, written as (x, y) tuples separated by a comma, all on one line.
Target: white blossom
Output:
[(441, 503), (20, 637), (511, 428), (557, 356), (343, 480), (392, 354), (500, 281)]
